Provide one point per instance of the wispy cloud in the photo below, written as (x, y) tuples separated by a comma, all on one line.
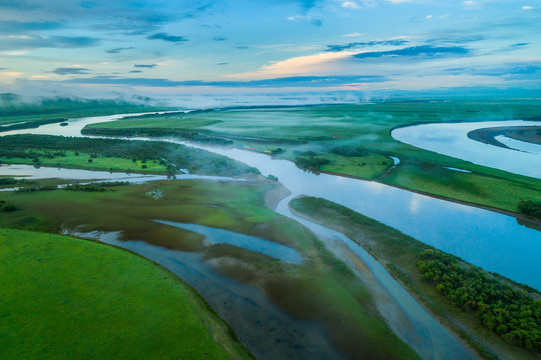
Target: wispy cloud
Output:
[(166, 37), (355, 45), (299, 65), (145, 65), (26, 42), (119, 49), (295, 81), (422, 50), (70, 71)]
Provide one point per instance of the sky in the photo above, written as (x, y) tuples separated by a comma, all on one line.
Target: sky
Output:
[(155, 47)]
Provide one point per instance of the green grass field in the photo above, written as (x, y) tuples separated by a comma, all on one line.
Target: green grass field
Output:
[(318, 290), (367, 128), (81, 161), (65, 298)]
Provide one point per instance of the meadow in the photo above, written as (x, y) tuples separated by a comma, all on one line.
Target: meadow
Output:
[(67, 298), (315, 137)]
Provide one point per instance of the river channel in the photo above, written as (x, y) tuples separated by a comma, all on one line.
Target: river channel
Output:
[(493, 241)]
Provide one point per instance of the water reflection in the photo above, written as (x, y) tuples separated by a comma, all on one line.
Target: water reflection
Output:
[(451, 139), (268, 331), (215, 235)]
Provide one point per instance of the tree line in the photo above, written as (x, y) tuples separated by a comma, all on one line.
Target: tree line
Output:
[(180, 156), (512, 314)]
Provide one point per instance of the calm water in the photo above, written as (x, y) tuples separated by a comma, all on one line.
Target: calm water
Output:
[(408, 319), (493, 241), (265, 247), (451, 139), (519, 145), (268, 331)]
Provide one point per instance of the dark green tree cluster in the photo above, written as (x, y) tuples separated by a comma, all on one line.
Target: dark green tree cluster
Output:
[(312, 163), (6, 207), (195, 160), (349, 151), (513, 314), (95, 187), (530, 208)]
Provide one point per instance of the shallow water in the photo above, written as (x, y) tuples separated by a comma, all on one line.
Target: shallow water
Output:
[(215, 235), (493, 241), (451, 139), (519, 145), (268, 331), (406, 317)]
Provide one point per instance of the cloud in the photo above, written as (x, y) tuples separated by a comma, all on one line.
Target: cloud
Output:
[(219, 38), (16, 27), (422, 50), (353, 34), (150, 66), (70, 71), (526, 8), (309, 18), (294, 81), (354, 45), (136, 71), (166, 37), (296, 66), (117, 50), (350, 5), (28, 42), (222, 63), (11, 74)]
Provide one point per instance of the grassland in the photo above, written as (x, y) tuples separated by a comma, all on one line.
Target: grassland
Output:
[(66, 298), (400, 254), (321, 289), (111, 154), (366, 128), (73, 159), (16, 109)]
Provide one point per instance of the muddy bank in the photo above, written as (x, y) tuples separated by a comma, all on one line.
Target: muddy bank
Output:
[(530, 134)]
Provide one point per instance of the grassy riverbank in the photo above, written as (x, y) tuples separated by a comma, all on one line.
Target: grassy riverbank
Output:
[(66, 298), (116, 155), (401, 254), (321, 289), (355, 140)]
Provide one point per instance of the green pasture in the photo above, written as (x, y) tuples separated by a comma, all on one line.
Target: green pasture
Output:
[(66, 298), (72, 159)]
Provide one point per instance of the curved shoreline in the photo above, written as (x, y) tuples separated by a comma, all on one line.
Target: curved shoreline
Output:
[(488, 135)]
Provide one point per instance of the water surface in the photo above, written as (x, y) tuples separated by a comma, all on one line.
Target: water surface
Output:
[(452, 139)]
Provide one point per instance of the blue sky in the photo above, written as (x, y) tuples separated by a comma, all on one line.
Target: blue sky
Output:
[(268, 46)]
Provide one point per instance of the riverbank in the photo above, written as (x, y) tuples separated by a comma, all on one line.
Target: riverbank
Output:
[(530, 134), (399, 254)]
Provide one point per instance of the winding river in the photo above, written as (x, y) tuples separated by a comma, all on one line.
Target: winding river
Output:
[(493, 241), (452, 139)]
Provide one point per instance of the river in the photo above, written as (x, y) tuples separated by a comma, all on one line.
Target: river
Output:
[(493, 241), (452, 139)]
